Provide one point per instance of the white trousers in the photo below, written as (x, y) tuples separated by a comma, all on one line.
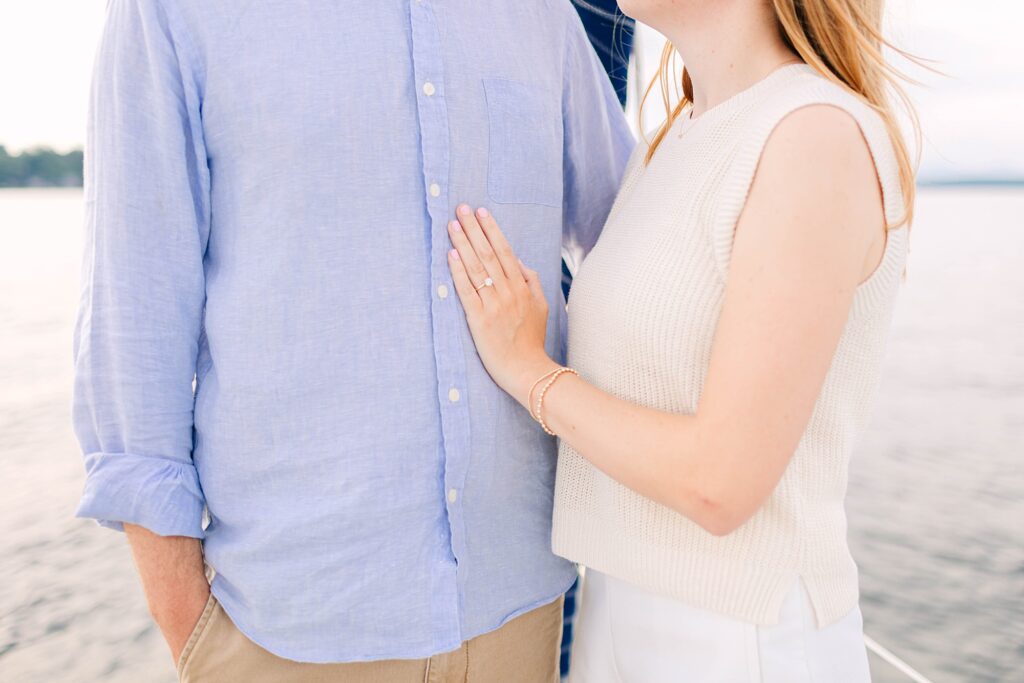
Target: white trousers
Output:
[(626, 634)]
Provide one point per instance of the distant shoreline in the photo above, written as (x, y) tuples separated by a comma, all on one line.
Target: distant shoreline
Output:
[(924, 185), (979, 183), (42, 167)]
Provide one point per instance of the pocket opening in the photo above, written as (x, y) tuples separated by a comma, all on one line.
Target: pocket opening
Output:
[(202, 625), (525, 137)]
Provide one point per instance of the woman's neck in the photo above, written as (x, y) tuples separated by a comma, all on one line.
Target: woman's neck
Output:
[(726, 47)]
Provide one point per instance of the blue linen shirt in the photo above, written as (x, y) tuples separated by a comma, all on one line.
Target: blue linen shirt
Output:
[(268, 336)]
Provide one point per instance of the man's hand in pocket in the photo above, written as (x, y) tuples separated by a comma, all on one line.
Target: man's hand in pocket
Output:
[(174, 580)]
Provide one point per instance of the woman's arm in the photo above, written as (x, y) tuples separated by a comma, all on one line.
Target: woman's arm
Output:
[(812, 230)]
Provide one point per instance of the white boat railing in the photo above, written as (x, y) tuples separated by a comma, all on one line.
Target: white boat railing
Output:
[(892, 660)]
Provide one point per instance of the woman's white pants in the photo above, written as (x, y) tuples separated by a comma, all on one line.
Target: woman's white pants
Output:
[(626, 634)]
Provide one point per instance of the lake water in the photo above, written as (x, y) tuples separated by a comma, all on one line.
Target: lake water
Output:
[(936, 496)]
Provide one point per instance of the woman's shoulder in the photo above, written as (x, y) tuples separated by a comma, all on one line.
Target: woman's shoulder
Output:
[(821, 137), (808, 140), (808, 120), (822, 101), (832, 130), (805, 87), (818, 153)]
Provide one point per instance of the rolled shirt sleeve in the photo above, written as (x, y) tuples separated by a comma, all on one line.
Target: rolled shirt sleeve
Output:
[(141, 309), (597, 145)]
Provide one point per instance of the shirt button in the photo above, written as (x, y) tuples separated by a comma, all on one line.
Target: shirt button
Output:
[(435, 190), (429, 89), (453, 495), (442, 291), (453, 395)]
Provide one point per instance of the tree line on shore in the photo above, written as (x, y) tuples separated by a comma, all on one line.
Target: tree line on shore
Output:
[(44, 167), (40, 167)]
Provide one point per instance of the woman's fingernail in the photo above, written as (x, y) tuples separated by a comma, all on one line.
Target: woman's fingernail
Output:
[(455, 226), (454, 254), (482, 212), (465, 210)]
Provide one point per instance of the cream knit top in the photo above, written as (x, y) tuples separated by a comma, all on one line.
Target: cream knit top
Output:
[(642, 315)]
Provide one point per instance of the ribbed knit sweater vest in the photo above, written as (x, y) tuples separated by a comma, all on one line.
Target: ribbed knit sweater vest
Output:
[(642, 316)]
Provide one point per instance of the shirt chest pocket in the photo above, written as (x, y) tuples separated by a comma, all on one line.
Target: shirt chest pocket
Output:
[(525, 143)]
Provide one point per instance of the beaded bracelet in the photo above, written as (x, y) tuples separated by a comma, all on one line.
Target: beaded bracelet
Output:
[(543, 392), (529, 396)]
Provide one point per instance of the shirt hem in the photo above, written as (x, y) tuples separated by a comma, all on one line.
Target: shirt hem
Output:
[(424, 652), (726, 586)]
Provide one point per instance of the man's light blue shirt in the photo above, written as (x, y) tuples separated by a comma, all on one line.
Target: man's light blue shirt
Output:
[(267, 187)]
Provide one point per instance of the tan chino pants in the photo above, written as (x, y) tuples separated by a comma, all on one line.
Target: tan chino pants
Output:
[(525, 650)]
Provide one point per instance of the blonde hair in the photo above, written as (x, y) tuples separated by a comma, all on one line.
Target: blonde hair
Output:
[(843, 41)]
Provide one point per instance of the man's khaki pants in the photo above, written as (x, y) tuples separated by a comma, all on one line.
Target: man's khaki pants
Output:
[(525, 650)]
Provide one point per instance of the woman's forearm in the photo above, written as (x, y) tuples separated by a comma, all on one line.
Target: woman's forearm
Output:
[(657, 454)]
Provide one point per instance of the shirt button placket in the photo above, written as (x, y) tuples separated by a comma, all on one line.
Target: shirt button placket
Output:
[(428, 67)]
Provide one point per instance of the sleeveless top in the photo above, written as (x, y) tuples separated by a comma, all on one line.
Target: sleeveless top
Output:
[(642, 315)]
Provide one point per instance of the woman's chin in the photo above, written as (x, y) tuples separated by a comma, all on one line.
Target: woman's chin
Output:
[(646, 11)]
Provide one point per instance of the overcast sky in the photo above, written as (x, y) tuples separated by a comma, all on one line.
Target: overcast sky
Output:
[(972, 119)]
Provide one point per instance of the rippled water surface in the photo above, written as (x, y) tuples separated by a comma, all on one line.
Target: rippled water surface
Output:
[(936, 494)]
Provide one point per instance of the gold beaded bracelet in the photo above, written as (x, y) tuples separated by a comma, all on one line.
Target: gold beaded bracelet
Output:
[(529, 396), (543, 392)]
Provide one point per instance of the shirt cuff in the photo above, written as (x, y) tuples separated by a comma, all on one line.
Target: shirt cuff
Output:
[(159, 494)]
